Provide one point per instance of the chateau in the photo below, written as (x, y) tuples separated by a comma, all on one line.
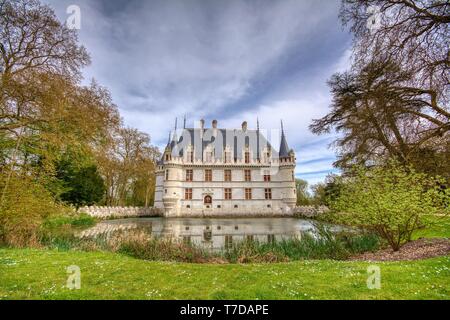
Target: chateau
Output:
[(225, 172)]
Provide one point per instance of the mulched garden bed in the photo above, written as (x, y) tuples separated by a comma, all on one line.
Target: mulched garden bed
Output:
[(414, 250)]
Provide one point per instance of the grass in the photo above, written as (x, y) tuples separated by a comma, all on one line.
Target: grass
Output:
[(439, 228), (41, 274), (80, 220), (328, 246)]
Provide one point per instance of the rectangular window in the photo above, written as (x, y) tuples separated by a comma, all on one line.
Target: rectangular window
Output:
[(167, 174), (248, 194), (188, 194), (189, 175), (247, 157), (227, 175), (248, 175), (267, 177), (190, 156), (268, 193), (208, 175), (227, 193)]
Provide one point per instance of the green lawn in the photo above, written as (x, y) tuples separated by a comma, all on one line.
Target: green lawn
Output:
[(439, 228), (41, 274)]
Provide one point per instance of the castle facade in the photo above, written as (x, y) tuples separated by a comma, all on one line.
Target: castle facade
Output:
[(225, 172)]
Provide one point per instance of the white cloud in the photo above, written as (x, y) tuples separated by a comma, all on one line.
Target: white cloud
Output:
[(162, 59)]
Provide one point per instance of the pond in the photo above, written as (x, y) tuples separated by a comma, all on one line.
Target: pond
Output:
[(208, 233)]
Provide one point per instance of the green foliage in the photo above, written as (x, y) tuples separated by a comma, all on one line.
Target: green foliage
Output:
[(82, 185), (303, 197), (326, 246), (24, 207), (391, 200), (75, 220), (438, 227), (163, 250), (327, 192)]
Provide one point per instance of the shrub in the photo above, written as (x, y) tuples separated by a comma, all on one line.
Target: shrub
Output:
[(391, 201), (24, 206)]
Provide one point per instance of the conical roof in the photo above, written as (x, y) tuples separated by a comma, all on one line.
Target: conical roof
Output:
[(284, 148)]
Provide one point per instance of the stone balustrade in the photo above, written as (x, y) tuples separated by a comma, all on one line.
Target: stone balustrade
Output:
[(120, 212), (309, 211), (131, 212)]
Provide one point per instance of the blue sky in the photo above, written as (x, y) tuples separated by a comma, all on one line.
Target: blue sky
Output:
[(225, 60)]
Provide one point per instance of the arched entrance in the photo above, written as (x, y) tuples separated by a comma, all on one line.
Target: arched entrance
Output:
[(207, 200)]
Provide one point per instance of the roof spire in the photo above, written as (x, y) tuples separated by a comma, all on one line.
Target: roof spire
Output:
[(284, 149), (176, 123), (184, 122), (168, 141), (257, 139)]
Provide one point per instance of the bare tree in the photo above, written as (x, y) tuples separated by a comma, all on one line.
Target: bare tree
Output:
[(128, 165), (394, 100), (377, 118), (414, 33)]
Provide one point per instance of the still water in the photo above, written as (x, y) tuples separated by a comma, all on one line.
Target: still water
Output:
[(208, 233)]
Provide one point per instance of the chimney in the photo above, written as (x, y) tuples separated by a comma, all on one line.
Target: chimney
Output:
[(214, 124), (244, 126)]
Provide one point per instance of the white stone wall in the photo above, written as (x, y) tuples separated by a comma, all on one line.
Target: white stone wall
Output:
[(120, 212), (197, 210), (309, 211)]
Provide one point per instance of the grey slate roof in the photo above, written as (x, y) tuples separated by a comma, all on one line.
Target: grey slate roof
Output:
[(219, 139), (284, 149)]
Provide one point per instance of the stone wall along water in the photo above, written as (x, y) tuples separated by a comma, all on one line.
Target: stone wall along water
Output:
[(121, 212), (132, 212)]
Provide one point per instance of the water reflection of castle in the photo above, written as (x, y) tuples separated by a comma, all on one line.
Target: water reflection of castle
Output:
[(207, 233)]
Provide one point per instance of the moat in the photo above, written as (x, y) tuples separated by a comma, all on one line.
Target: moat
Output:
[(214, 233)]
